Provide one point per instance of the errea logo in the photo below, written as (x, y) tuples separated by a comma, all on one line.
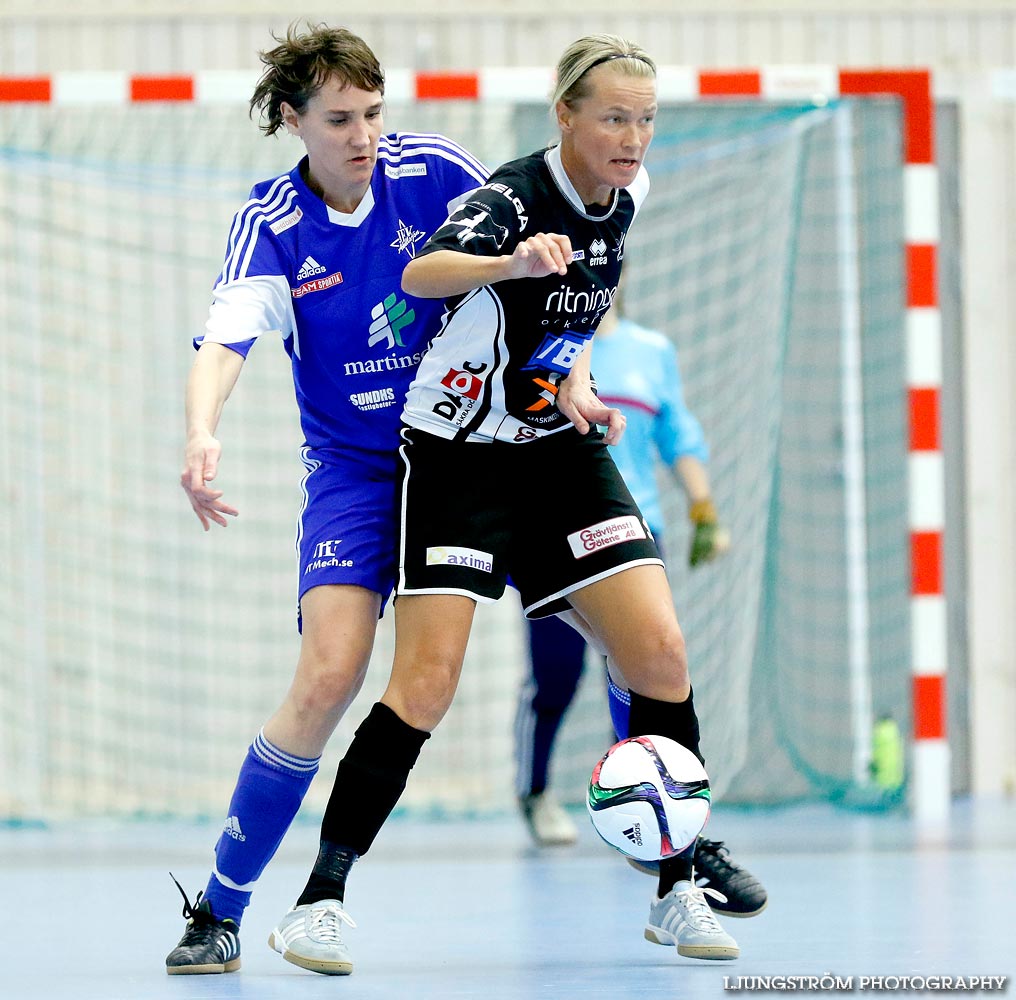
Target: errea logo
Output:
[(597, 253)]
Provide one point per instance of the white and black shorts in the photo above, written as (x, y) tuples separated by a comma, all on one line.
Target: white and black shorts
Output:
[(553, 515)]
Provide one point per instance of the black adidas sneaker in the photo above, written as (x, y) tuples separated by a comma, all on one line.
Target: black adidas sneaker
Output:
[(208, 946), (745, 895), (715, 869)]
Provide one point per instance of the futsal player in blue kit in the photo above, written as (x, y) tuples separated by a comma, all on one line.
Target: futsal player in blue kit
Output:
[(315, 256), (505, 474), (636, 370)]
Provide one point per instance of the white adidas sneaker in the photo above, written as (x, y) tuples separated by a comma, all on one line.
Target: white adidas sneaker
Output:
[(683, 918), (310, 936)]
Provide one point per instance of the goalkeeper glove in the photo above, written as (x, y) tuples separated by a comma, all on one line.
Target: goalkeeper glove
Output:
[(708, 539)]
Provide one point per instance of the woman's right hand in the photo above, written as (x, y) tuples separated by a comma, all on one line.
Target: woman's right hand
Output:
[(201, 463), (540, 255)]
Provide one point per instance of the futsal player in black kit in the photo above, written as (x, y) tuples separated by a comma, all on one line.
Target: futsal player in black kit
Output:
[(505, 473)]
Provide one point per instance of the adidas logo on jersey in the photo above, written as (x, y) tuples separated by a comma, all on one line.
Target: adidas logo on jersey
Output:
[(232, 828), (308, 269), (634, 834)]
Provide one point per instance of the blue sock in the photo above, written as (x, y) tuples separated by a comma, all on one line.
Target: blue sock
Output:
[(267, 797), (619, 701)]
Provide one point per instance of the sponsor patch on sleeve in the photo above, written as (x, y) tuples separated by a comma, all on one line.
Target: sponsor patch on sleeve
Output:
[(287, 221)]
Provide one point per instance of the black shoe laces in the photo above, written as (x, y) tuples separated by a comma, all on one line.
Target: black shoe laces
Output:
[(716, 856), (195, 912)]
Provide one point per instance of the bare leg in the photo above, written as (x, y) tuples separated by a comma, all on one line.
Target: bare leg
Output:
[(631, 617), (431, 632), (339, 623)]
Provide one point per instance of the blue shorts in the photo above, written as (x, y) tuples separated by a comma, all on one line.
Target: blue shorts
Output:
[(347, 529)]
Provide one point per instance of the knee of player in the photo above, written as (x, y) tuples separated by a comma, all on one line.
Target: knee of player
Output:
[(324, 681), (422, 696), (658, 655)]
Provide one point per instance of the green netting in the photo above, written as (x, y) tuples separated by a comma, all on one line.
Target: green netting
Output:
[(744, 262), (138, 656)]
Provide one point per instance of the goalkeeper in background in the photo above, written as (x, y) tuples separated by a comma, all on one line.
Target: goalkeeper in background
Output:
[(636, 370)]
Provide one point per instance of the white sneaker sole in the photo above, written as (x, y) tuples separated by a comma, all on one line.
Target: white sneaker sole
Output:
[(320, 965), (709, 952)]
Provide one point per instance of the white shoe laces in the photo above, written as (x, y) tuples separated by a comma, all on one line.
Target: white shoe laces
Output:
[(699, 913), (324, 923)]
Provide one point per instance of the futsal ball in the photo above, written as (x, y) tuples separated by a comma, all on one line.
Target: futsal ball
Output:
[(649, 797)]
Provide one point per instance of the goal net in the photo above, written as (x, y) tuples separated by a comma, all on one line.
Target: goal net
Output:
[(139, 656)]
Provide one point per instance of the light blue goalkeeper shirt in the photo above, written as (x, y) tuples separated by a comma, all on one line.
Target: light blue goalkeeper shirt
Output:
[(636, 370)]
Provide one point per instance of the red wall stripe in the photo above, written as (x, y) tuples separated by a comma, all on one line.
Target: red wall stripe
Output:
[(924, 419), (913, 86), (925, 563), (730, 83), (922, 275), (162, 88), (447, 86), (25, 88), (929, 707)]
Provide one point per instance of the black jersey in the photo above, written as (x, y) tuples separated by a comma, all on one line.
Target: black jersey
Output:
[(492, 372)]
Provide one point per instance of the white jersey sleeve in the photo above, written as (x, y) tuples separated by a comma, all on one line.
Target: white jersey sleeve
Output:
[(243, 310)]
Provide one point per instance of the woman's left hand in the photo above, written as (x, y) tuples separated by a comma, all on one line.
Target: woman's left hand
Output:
[(577, 401)]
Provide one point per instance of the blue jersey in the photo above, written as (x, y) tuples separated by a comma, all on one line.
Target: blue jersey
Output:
[(636, 370), (330, 285)]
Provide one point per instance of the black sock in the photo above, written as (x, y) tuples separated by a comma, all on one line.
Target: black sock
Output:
[(674, 870), (674, 719), (328, 878), (368, 783), (678, 721)]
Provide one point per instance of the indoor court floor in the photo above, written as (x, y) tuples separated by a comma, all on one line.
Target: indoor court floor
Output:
[(469, 910)]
